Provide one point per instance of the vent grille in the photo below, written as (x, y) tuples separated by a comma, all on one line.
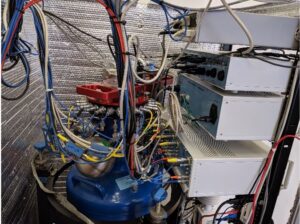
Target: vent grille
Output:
[(199, 139)]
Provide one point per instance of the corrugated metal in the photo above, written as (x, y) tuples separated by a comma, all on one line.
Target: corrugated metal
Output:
[(74, 62)]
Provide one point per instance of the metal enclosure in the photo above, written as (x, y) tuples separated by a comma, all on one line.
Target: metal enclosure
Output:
[(268, 31), (239, 116), (221, 168), (244, 74)]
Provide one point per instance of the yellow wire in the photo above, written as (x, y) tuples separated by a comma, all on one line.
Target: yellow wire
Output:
[(52, 147), (63, 138), (91, 159), (149, 123), (114, 153), (63, 158), (147, 127), (168, 143)]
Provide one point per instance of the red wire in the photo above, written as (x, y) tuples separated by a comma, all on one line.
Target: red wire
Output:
[(269, 159), (120, 35), (9, 43), (117, 24), (31, 3)]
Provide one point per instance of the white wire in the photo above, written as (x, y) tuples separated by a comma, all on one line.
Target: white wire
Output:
[(161, 69), (242, 25), (192, 37), (176, 112), (126, 62), (4, 15), (56, 110), (249, 217)]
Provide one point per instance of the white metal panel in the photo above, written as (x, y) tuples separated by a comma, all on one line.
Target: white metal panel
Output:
[(222, 177), (248, 74), (221, 167), (200, 4), (245, 74), (270, 31), (241, 116), (244, 118)]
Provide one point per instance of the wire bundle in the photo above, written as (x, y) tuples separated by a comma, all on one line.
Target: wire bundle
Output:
[(13, 47), (265, 173)]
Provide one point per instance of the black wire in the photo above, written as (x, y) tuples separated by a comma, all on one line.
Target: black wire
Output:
[(24, 61), (250, 192), (47, 13), (224, 214), (108, 37), (16, 60), (272, 63), (19, 96), (219, 208), (14, 48)]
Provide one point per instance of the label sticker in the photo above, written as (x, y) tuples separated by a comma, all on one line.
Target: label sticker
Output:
[(125, 182)]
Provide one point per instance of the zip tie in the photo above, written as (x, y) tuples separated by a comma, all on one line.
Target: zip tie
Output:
[(113, 17), (49, 90), (127, 53), (123, 22)]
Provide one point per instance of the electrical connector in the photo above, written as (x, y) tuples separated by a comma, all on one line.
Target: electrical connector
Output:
[(246, 212), (168, 143), (176, 160), (74, 149), (100, 148)]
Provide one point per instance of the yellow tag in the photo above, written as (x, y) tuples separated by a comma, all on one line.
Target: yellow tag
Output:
[(63, 158)]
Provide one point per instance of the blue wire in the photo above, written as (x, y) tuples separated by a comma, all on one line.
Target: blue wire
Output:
[(181, 16), (17, 47)]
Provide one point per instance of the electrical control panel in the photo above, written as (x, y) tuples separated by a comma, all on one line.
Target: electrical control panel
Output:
[(239, 73), (220, 168), (230, 116)]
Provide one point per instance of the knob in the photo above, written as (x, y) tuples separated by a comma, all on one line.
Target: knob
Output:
[(208, 72), (213, 73), (201, 71), (221, 75)]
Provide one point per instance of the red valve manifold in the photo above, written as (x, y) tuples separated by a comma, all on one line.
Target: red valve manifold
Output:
[(108, 95)]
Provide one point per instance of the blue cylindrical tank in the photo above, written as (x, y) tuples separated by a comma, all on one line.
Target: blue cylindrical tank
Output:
[(112, 197)]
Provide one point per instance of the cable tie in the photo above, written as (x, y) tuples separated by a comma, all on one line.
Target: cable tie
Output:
[(127, 53), (49, 90), (123, 22), (112, 17)]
